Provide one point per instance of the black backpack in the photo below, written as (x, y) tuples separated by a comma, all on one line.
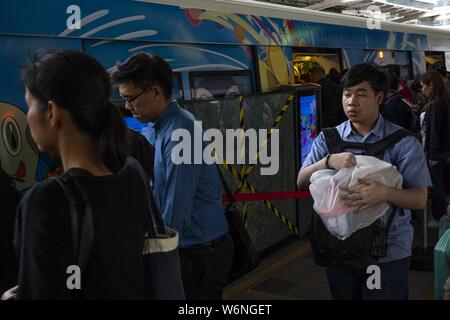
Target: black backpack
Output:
[(365, 246), (9, 200)]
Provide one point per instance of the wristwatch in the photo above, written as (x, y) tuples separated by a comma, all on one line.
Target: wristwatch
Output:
[(327, 161)]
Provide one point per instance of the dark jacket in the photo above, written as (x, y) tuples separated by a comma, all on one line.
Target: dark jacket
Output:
[(142, 151), (397, 111), (331, 114), (437, 121), (44, 244)]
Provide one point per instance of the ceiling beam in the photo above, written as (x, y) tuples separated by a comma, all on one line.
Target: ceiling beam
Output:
[(324, 4)]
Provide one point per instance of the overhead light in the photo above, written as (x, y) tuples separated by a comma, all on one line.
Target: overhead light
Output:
[(381, 54)]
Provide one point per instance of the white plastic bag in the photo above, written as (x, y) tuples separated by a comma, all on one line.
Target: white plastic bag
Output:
[(325, 190)]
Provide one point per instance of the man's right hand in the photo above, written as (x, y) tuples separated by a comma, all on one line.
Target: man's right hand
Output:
[(338, 161)]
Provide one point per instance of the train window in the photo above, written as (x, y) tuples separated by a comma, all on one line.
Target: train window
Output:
[(177, 89), (220, 84)]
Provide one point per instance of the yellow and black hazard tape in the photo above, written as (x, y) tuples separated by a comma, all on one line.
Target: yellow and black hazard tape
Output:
[(245, 172), (242, 154), (285, 220)]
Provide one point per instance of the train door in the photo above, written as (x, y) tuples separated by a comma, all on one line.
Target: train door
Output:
[(304, 59), (434, 57), (400, 59)]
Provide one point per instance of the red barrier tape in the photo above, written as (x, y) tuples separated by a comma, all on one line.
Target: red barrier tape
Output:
[(261, 196)]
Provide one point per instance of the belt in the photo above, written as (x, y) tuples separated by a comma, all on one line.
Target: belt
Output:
[(204, 247), (212, 243)]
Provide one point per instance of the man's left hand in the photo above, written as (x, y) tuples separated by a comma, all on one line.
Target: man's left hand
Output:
[(365, 195)]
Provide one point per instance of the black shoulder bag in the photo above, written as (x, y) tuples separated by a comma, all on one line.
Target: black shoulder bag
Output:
[(246, 257)]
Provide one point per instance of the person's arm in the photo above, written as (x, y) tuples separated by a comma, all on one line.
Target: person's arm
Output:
[(45, 246), (437, 120), (305, 173), (336, 161), (371, 193), (409, 160), (318, 152), (179, 190)]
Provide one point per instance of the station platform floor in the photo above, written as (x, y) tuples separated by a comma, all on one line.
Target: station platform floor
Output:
[(291, 274)]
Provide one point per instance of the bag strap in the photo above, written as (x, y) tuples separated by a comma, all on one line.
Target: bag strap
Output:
[(72, 213), (82, 245), (335, 144), (154, 217), (226, 188), (391, 218), (332, 139), (378, 148), (87, 231)]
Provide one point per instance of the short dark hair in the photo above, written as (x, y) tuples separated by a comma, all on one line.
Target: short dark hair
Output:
[(392, 81), (439, 68), (394, 68), (365, 72), (318, 70), (145, 70)]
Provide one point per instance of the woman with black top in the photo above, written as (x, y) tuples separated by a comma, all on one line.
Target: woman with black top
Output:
[(71, 118), (437, 137)]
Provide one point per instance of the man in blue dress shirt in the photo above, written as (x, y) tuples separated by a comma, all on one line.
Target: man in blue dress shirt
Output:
[(188, 194), (364, 91)]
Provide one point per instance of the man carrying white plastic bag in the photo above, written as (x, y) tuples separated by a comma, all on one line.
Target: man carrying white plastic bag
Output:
[(386, 243), (336, 214)]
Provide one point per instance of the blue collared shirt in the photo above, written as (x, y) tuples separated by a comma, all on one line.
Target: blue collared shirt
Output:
[(407, 155), (189, 195)]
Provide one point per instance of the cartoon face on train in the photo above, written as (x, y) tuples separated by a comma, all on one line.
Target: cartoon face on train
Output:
[(18, 152), (223, 88)]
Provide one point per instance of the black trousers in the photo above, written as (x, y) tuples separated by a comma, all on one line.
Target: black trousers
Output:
[(205, 268)]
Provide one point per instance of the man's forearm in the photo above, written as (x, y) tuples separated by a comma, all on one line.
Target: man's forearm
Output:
[(413, 198), (305, 174)]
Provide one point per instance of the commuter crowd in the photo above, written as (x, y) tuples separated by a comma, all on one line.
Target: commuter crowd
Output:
[(123, 186)]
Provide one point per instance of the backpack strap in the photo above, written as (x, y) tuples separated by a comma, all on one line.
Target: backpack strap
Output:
[(82, 243), (378, 148), (333, 140), (335, 144), (391, 217), (87, 231)]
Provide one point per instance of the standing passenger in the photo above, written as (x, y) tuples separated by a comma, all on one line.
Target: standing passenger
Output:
[(364, 91), (395, 109), (331, 114), (437, 137), (187, 193), (71, 118)]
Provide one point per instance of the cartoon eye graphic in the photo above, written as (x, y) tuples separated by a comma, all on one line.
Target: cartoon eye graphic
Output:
[(11, 136)]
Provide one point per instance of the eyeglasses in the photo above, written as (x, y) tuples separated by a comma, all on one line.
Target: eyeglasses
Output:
[(131, 99)]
